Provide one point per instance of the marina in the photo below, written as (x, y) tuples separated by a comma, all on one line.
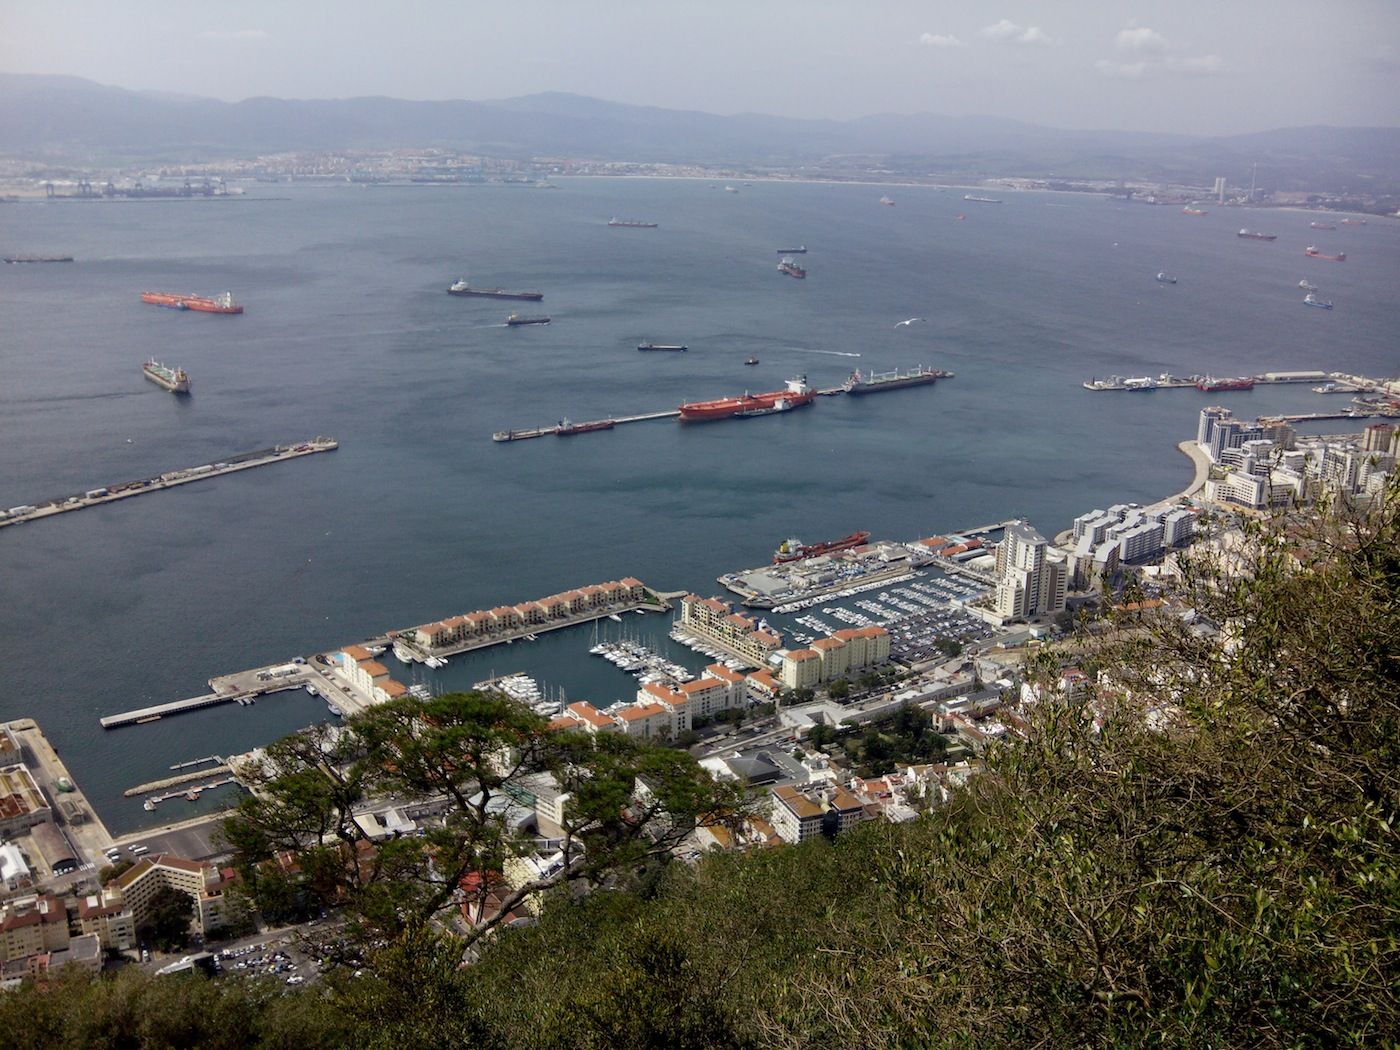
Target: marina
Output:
[(127, 489)]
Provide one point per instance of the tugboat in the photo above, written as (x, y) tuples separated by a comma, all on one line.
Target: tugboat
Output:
[(790, 267), (515, 320)]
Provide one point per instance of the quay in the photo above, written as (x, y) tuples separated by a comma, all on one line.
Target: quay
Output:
[(175, 707), (170, 479), (1309, 417), (1339, 382)]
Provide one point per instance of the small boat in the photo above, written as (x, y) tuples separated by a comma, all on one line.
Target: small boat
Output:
[(1166, 278), (192, 795), (1312, 300), (311, 689), (887, 200), (149, 805), (751, 361), (614, 616), (515, 320), (730, 189)]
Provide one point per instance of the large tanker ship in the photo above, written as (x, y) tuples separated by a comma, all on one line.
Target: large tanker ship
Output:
[(1255, 235), (1314, 253), (222, 304), (795, 395), (877, 382), (463, 288), (795, 550), (173, 379)]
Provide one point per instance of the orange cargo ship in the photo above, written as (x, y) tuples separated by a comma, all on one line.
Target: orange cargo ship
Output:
[(796, 394), (222, 304)]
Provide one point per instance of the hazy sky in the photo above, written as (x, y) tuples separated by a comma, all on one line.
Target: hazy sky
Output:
[(1205, 66)]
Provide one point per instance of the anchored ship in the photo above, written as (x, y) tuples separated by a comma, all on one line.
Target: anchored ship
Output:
[(790, 267), (221, 304), (515, 320), (1322, 226), (1315, 254), (638, 223), (173, 379), (887, 200), (802, 250), (1166, 278), (1345, 222), (1188, 210), (1312, 300), (795, 395), (877, 382), (38, 258), (463, 288), (1210, 384), (1306, 285), (662, 346), (1253, 236), (795, 550), (980, 200)]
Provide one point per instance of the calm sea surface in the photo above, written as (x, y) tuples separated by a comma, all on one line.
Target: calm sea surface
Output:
[(419, 515)]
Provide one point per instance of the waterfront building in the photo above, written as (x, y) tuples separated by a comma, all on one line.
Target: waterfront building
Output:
[(735, 695), (801, 669), (716, 621), (836, 657), (1030, 582), (1209, 418), (865, 646), (590, 718), (1377, 437)]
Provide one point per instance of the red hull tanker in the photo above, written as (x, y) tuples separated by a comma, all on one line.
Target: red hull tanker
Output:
[(796, 550), (222, 304), (797, 394), (1313, 253)]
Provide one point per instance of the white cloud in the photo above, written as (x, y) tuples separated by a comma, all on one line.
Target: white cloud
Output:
[(1154, 56), (941, 40), (1142, 40), (234, 34), (1010, 32)]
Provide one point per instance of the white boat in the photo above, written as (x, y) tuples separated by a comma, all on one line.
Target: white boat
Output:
[(614, 616)]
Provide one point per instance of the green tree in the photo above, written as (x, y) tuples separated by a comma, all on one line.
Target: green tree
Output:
[(839, 689), (167, 921), (471, 752)]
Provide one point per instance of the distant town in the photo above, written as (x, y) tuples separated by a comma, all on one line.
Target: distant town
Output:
[(27, 180)]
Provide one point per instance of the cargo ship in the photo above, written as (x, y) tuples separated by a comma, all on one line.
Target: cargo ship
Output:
[(1345, 222), (676, 347), (515, 320), (793, 251), (1306, 285), (877, 382), (1322, 226), (173, 379), (980, 200), (1210, 384), (795, 550), (568, 429), (1312, 300), (1312, 252), (638, 223), (790, 267), (38, 258), (221, 304), (1253, 236), (795, 395), (463, 288)]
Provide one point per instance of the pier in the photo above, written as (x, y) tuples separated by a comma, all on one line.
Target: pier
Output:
[(170, 479), (599, 424)]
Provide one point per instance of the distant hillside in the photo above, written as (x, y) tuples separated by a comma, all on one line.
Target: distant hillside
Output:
[(74, 119)]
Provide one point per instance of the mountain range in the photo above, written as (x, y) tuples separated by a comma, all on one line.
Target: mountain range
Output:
[(63, 118)]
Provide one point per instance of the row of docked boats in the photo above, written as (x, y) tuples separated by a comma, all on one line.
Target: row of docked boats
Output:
[(641, 661)]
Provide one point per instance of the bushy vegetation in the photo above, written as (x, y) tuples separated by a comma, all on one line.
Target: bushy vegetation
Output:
[(1201, 853)]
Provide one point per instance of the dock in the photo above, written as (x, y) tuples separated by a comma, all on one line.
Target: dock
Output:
[(1338, 382), (182, 778), (125, 490)]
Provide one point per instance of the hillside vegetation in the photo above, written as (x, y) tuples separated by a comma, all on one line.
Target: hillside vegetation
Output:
[(1203, 853)]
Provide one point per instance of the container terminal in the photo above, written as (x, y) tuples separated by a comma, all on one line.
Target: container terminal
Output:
[(111, 493)]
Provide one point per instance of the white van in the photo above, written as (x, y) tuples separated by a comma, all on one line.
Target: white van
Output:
[(138, 850)]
